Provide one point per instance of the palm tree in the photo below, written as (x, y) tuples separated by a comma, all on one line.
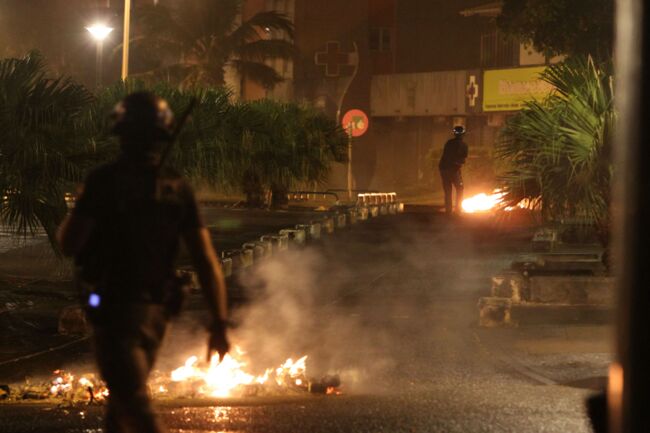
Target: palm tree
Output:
[(43, 148), (557, 152), (208, 149), (255, 147), (195, 42), (290, 146)]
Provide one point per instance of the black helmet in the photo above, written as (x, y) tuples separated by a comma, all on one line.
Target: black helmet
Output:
[(143, 117), (459, 130)]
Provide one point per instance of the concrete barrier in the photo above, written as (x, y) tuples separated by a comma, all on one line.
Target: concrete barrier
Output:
[(279, 242), (494, 312), (312, 230), (560, 264), (247, 258), (340, 220), (296, 237), (572, 290), (267, 245), (259, 251), (226, 265), (239, 258), (327, 225), (510, 284), (352, 216), (545, 239), (363, 213), (591, 263), (73, 321)]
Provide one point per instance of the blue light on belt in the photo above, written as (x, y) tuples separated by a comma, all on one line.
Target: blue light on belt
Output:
[(94, 300)]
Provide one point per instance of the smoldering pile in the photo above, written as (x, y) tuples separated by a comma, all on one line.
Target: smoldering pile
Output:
[(225, 379)]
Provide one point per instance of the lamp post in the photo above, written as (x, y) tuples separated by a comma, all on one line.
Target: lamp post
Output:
[(125, 45), (99, 32)]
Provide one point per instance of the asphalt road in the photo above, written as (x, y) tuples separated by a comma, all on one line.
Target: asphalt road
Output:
[(391, 307)]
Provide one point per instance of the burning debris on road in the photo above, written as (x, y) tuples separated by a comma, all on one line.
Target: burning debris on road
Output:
[(483, 202), (194, 379), (63, 386)]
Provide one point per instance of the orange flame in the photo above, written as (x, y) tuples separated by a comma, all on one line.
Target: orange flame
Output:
[(66, 385), (482, 203), (227, 378), (222, 379)]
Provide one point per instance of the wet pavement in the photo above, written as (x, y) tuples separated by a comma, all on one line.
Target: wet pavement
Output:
[(390, 306)]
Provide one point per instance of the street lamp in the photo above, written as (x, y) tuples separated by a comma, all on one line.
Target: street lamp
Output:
[(99, 32), (125, 45)]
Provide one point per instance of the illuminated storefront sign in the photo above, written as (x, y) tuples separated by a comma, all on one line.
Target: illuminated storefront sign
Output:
[(509, 89)]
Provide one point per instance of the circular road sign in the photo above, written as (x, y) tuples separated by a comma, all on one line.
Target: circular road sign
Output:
[(357, 121)]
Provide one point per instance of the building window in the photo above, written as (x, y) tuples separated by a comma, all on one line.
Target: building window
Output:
[(380, 39)]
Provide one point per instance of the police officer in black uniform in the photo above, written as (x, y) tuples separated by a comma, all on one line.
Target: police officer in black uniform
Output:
[(452, 159), (124, 233)]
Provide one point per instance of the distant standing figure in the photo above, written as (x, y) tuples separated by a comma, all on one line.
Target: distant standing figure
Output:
[(124, 233), (452, 160)]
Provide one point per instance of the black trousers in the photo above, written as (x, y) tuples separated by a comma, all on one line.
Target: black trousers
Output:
[(127, 339), (452, 178)]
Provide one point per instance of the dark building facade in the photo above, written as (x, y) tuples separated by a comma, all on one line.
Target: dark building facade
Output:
[(416, 67), (407, 64)]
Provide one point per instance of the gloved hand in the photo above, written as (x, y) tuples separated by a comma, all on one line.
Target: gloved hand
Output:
[(217, 340)]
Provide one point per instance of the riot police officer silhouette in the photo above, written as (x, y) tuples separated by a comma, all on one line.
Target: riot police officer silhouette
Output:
[(124, 233), (453, 157)]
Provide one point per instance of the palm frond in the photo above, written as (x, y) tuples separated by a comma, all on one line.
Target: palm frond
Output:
[(250, 29), (42, 135), (198, 39), (263, 49), (263, 74), (557, 151)]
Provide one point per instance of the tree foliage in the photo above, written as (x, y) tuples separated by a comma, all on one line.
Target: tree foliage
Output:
[(557, 27), (42, 144), (291, 146), (196, 41), (557, 151), (254, 147), (52, 131)]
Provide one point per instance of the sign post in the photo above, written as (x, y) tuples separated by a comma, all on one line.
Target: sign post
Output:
[(350, 135), (356, 123)]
